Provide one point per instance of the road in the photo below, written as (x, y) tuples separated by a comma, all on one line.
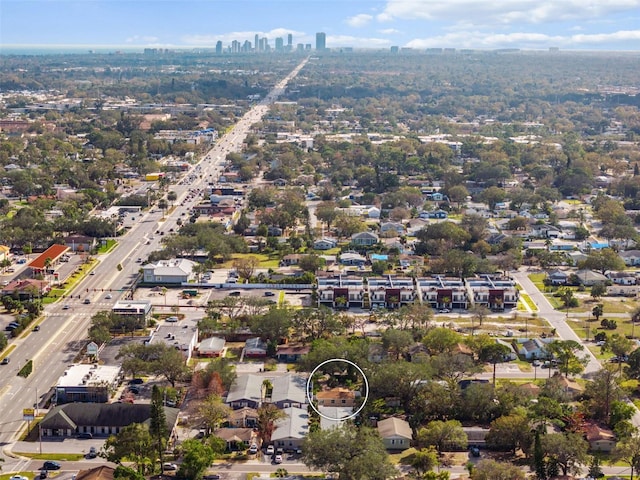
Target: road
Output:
[(63, 332)]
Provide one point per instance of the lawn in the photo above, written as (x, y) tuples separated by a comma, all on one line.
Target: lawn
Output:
[(7, 476), (530, 303), (58, 457), (264, 260), (109, 245), (538, 280)]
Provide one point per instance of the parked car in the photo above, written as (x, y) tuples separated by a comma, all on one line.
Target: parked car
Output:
[(253, 449), (444, 310), (172, 319), (270, 450), (18, 477), (169, 466), (136, 381), (278, 459), (43, 474), (269, 294), (235, 294), (134, 390), (85, 435), (50, 465), (211, 476)]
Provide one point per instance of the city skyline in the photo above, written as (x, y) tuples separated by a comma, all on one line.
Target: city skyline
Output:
[(419, 24)]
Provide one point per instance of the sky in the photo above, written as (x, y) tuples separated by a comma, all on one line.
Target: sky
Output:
[(478, 24)]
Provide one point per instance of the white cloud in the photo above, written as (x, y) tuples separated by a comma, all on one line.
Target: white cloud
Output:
[(388, 31), (504, 11), (142, 39), (227, 38), (359, 20), (526, 40)]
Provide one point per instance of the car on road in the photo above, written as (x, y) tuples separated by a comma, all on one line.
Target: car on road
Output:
[(93, 453), (108, 296), (136, 381), (211, 476), (5, 361), (87, 301), (235, 293), (66, 306), (444, 310), (50, 465), (93, 272), (36, 328), (43, 474), (270, 450), (269, 294), (277, 459), (135, 390), (169, 466)]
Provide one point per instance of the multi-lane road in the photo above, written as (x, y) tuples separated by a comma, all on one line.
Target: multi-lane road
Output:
[(63, 332)]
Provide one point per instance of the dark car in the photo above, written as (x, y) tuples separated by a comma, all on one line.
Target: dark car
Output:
[(36, 328), (5, 361), (44, 474), (211, 476), (134, 390), (269, 294), (235, 294), (136, 381), (85, 435), (50, 465), (475, 451)]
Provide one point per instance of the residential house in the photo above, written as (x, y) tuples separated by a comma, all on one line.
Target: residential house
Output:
[(575, 257), (340, 291), (236, 439), (395, 227), (5, 253), (244, 417), (288, 391), (622, 290), (391, 292), (364, 239), (622, 278), (396, 433), (246, 391), (325, 243), (418, 353), (373, 212), (601, 439), (211, 347), (332, 417), (589, 278), (545, 231), (352, 259), (336, 397), (291, 259), (531, 349), (291, 353), (512, 354), (292, 429), (168, 272), (255, 347), (631, 257), (558, 277), (438, 214), (99, 419)]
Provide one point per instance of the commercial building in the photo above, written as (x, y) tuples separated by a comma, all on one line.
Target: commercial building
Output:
[(138, 308), (88, 383), (321, 41)]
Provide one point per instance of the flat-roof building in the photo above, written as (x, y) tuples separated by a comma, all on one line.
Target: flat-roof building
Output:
[(88, 383)]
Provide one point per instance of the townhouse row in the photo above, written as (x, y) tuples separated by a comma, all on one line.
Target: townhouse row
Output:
[(439, 292)]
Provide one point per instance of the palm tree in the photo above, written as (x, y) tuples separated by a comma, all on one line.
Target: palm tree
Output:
[(268, 415), (267, 388)]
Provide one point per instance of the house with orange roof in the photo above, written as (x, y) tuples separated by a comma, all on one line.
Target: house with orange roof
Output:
[(338, 396)]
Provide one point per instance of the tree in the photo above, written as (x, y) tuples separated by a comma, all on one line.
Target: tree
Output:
[(158, 422), (440, 340), (211, 412), (424, 460), (352, 453), (327, 212), (565, 352), (597, 291), (268, 415), (603, 260), (598, 310), (492, 196), (479, 313), (396, 341), (492, 470), (132, 443), (538, 460), (172, 196), (171, 365), (628, 451), (568, 451), (457, 194), (196, 459), (601, 392), (494, 354), (510, 432), (443, 434), (245, 267), (311, 263)]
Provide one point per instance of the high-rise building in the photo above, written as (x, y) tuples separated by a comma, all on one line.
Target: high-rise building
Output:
[(256, 44), (218, 47), (279, 44), (290, 42), (321, 41)]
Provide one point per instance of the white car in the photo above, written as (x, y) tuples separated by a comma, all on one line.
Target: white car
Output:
[(270, 450), (169, 466), (18, 477), (278, 459)]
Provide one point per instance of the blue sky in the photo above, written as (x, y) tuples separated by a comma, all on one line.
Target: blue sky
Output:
[(527, 24)]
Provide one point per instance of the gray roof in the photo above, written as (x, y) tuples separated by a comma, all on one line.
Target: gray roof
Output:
[(71, 415), (337, 415), (246, 387), (289, 387), (394, 427), (255, 342), (212, 344), (294, 425)]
